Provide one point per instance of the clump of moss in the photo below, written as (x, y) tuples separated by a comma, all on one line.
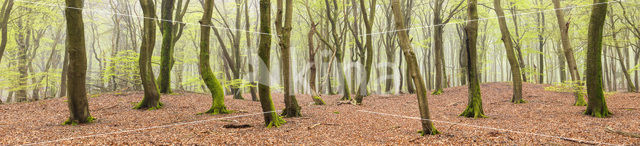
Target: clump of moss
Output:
[(90, 119), (437, 92)]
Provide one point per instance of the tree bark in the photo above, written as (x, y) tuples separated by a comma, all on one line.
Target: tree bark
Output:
[(151, 99), (368, 19), (271, 118), (210, 80), (292, 109), (75, 47), (597, 105), (474, 106), (568, 53), (164, 78), (412, 63), (6, 12), (513, 62), (621, 58), (541, 42), (438, 47)]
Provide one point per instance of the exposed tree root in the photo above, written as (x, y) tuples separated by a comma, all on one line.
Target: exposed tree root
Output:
[(148, 106), (217, 111), (318, 101)]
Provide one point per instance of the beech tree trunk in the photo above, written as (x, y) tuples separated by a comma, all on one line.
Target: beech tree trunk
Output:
[(164, 78), (151, 99), (438, 47), (271, 118), (412, 64), (75, 47), (210, 80), (597, 105), (7, 6), (292, 109), (474, 105), (513, 62), (368, 19), (568, 53)]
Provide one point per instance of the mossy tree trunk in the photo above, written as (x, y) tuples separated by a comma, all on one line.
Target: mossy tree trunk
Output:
[(75, 47), (292, 109), (337, 40), (438, 46), (312, 58), (164, 78), (568, 53), (271, 117), (151, 99), (511, 56), (210, 80), (368, 19), (7, 6), (474, 107), (597, 105), (412, 63)]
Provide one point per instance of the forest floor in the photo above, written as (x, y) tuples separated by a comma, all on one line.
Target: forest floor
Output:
[(547, 119)]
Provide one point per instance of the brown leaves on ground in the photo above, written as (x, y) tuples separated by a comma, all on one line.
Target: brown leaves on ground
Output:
[(546, 113)]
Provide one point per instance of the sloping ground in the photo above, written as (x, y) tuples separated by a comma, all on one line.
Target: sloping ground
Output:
[(547, 118)]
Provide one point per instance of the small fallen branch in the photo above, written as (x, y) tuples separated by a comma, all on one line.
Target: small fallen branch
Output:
[(318, 124), (628, 134)]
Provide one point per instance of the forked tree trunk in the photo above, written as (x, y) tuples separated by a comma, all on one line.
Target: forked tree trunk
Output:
[(210, 80), (474, 105), (271, 118), (597, 106), (568, 53), (412, 63), (368, 23), (151, 99), (292, 109), (513, 62), (75, 47)]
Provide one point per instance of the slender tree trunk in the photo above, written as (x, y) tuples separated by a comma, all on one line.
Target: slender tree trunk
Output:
[(23, 44), (271, 118), (474, 107), (597, 105), (210, 80), (412, 63), (438, 47), (513, 62), (369, 18), (621, 58), (151, 98), (541, 42), (75, 47), (568, 53), (252, 88), (6, 12), (164, 78), (292, 109)]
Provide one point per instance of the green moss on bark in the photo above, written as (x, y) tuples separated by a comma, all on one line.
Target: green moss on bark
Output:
[(437, 92), (318, 101), (76, 122)]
